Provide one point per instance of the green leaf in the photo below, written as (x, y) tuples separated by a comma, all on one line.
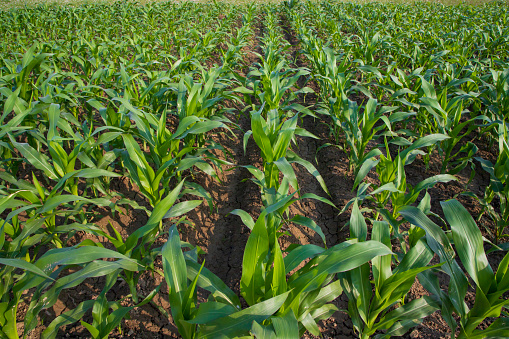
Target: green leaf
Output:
[(311, 325), (366, 166), (418, 256), (255, 251), (115, 318), (174, 268), (262, 332), (309, 223), (286, 327), (294, 158), (358, 227), (91, 329), (246, 218), (24, 265), (371, 69), (138, 157), (182, 208), (209, 311), (260, 137), (324, 312), (361, 290), (399, 328), (327, 294), (498, 329), (88, 173), (469, 244), (203, 127), (381, 266), (184, 124), (36, 159), (156, 216), (299, 254), (428, 140), (278, 284), (210, 282), (175, 274), (239, 323), (416, 309), (430, 182), (53, 202), (439, 243), (287, 170), (340, 258), (67, 318)]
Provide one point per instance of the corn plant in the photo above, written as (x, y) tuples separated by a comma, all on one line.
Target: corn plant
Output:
[(43, 274), (298, 302), (273, 136), (360, 129), (495, 96), (104, 322), (334, 79), (32, 60), (139, 244), (393, 189), (446, 119), (371, 311), (497, 188), (272, 79), (167, 151), (200, 99), (45, 204), (489, 286)]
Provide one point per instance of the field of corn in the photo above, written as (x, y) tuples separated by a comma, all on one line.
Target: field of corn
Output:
[(287, 170)]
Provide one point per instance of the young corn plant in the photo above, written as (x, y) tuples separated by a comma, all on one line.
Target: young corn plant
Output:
[(359, 128), (135, 258), (334, 78), (46, 205), (171, 154), (43, 274), (372, 311), (272, 82), (139, 245), (274, 300), (498, 189), (19, 73), (393, 190), (445, 116), (104, 322), (274, 135), (232, 57), (62, 164), (489, 286), (200, 98), (495, 95), (403, 88)]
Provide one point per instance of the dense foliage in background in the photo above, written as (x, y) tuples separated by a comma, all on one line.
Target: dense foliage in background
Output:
[(98, 92)]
